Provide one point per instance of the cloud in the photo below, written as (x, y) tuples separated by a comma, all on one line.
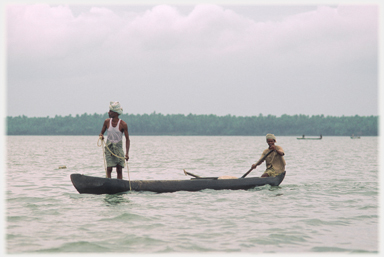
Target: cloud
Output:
[(43, 31), (210, 52), (37, 30)]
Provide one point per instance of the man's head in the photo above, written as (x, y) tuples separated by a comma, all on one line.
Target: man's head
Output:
[(271, 139), (114, 107)]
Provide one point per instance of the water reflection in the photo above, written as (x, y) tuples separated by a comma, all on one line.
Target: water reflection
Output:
[(116, 199)]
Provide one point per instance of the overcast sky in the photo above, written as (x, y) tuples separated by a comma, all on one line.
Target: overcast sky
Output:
[(218, 59)]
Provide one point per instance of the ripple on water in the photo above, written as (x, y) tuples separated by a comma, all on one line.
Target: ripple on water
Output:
[(125, 217), (76, 247), (338, 249), (328, 194)]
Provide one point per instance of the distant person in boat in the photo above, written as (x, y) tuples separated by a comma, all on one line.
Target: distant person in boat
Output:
[(275, 161), (115, 128), (303, 136)]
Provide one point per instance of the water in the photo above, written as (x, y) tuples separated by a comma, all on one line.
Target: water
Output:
[(328, 202)]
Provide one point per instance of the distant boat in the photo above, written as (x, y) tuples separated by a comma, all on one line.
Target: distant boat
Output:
[(310, 138), (355, 137)]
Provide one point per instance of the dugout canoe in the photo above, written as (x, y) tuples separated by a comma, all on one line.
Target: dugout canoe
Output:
[(310, 138), (96, 185)]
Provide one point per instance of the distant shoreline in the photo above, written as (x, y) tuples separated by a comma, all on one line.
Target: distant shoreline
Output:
[(199, 125)]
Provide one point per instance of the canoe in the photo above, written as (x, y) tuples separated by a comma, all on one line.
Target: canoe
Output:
[(96, 185), (310, 138), (355, 137)]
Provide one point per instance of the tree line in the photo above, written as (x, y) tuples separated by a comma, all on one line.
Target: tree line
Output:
[(180, 124)]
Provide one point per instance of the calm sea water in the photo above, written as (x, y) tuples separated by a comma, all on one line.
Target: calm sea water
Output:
[(328, 202)]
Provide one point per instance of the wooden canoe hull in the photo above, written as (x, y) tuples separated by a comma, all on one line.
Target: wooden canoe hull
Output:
[(95, 185)]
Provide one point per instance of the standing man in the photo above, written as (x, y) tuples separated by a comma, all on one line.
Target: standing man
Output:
[(275, 161), (115, 128)]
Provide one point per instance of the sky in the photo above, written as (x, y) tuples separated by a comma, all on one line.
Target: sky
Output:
[(241, 59), (254, 57)]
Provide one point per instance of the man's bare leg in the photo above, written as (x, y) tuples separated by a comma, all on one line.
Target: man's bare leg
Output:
[(109, 171), (119, 171)]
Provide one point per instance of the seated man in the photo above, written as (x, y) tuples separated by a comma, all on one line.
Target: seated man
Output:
[(275, 161)]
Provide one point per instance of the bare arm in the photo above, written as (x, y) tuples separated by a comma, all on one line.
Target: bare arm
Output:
[(103, 129), (127, 141)]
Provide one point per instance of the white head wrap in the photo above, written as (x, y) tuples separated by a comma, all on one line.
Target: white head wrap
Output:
[(271, 136), (115, 107)]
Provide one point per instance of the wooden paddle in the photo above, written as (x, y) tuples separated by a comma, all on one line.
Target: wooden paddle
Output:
[(260, 161), (190, 174), (197, 177)]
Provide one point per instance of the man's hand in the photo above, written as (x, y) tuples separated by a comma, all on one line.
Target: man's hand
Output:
[(253, 166), (272, 147), (102, 136), (126, 157)]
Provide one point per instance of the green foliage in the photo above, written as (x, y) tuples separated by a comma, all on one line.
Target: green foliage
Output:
[(179, 124)]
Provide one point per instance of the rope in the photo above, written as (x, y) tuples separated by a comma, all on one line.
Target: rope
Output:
[(105, 161), (105, 165), (129, 179)]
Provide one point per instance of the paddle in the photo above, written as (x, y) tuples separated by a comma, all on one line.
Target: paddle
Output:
[(198, 177), (260, 161), (190, 174)]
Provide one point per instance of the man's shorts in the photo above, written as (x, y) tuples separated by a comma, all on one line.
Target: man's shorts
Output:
[(272, 172), (116, 149)]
